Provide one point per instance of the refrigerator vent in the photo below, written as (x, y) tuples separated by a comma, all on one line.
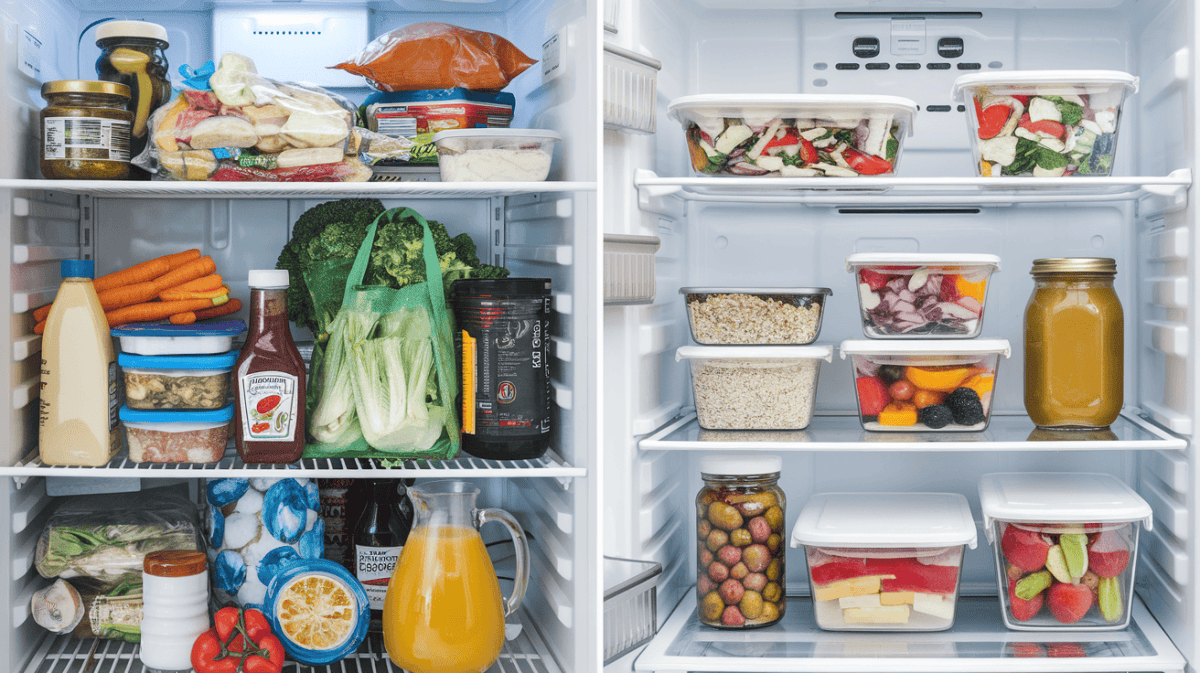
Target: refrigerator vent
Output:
[(292, 45)]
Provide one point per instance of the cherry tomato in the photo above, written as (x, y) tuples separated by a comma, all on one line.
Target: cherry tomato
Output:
[(902, 390), (927, 398), (225, 621)]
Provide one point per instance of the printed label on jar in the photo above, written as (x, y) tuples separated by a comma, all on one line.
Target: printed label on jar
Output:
[(373, 566), (506, 385), (85, 139), (268, 406)]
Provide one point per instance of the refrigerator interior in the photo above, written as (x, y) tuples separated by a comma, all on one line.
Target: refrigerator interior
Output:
[(541, 230), (756, 235)]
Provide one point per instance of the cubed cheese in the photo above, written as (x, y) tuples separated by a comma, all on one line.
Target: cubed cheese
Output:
[(891, 614), (856, 586), (896, 598), (934, 605), (867, 601)]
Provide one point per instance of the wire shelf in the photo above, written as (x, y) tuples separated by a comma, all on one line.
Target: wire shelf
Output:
[(291, 190)]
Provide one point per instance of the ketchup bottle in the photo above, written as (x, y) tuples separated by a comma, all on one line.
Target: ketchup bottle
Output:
[(270, 378)]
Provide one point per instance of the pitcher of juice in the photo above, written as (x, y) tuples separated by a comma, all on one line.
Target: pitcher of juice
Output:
[(443, 612)]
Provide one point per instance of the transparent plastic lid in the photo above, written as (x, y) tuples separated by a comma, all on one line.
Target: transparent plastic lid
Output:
[(862, 259), (881, 520), (223, 328), (221, 361), (500, 134), (756, 290), (755, 352), (221, 415), (741, 464), (1070, 81), (768, 106), (925, 347), (1059, 497)]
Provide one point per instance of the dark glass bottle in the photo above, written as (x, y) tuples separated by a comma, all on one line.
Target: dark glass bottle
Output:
[(379, 535)]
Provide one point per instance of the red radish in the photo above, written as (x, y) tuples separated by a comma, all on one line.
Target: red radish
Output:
[(1023, 610), (874, 279), (1025, 549), (1069, 602), (1107, 555)]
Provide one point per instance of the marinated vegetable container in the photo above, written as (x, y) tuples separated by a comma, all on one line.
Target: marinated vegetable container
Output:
[(922, 295), (885, 561), (763, 315), (925, 386), (794, 135), (754, 387), (1066, 548), (176, 381), (176, 436), (1044, 123), (495, 155), (740, 513), (165, 339)]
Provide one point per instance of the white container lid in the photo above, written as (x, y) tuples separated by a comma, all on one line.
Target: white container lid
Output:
[(1059, 497), (755, 290), (142, 29), (880, 520), (269, 278), (1104, 79), (754, 353), (504, 134), (925, 347), (688, 108), (861, 259), (741, 464)]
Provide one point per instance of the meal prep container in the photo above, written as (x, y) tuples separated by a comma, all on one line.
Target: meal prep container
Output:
[(925, 386), (1044, 123), (495, 155), (794, 135), (176, 381), (922, 295), (755, 315), (754, 387), (166, 339), (1066, 548), (885, 561), (176, 436)]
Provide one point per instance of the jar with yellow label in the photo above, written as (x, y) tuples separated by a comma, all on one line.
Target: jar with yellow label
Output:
[(1074, 344), (85, 130)]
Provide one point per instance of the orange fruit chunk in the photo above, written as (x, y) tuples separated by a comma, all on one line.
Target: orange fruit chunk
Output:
[(940, 379), (898, 413), (980, 383), (968, 289)]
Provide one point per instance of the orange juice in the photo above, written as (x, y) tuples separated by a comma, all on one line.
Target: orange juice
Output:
[(443, 613)]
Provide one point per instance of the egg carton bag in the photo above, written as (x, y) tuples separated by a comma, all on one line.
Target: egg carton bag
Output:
[(246, 128)]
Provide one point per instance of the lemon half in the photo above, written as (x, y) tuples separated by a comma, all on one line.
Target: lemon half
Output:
[(317, 611)]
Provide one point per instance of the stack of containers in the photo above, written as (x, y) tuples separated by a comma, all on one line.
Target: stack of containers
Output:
[(908, 375), (177, 390)]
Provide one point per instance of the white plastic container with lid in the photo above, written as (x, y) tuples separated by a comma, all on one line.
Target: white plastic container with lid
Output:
[(885, 561), (923, 386), (794, 135), (1066, 548), (495, 155), (1044, 123), (754, 387), (207, 338), (914, 295)]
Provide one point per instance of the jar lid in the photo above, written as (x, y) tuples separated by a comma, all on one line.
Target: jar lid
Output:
[(144, 29), (85, 86), (1078, 265), (175, 563), (269, 278), (741, 464), (1059, 497)]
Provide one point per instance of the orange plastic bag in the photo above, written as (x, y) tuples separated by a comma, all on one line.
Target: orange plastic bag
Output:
[(434, 55)]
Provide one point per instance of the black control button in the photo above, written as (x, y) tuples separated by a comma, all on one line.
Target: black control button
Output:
[(846, 66), (937, 108), (950, 47), (968, 66), (962, 108), (866, 47), (908, 66), (938, 66), (878, 66)]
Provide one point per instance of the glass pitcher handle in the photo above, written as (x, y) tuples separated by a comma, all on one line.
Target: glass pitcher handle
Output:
[(521, 581)]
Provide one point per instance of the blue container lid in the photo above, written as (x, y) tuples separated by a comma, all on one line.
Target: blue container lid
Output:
[(77, 268), (304, 566), (220, 328), (435, 95), (221, 415), (218, 362)]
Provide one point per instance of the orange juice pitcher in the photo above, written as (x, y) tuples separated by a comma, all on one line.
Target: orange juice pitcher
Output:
[(443, 612)]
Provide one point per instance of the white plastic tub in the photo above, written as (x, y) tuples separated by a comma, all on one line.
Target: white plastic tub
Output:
[(176, 381), (206, 338), (177, 436), (495, 155), (885, 561), (1066, 548), (794, 135), (754, 387), (1044, 123), (922, 295), (755, 315), (925, 386)]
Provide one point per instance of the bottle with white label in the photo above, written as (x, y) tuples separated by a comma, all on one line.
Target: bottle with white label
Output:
[(78, 414), (379, 536)]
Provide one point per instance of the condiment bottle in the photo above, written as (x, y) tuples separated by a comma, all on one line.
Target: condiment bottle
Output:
[(78, 415), (85, 130), (379, 537), (269, 395), (175, 608), (1074, 344), (133, 53)]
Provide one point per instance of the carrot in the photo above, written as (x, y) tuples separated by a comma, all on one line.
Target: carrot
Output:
[(40, 313), (138, 273), (180, 258), (196, 268), (172, 295), (40, 328), (127, 295), (210, 282), (184, 318), (231, 306), (159, 310)]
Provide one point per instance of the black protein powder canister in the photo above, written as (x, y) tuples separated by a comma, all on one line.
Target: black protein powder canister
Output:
[(504, 376)]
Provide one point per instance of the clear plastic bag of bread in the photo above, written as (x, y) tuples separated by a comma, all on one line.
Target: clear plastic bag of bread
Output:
[(433, 55), (247, 128)]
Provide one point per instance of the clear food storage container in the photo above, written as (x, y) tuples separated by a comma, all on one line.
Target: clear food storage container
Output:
[(1044, 123), (925, 386), (166, 339), (495, 155), (630, 605), (755, 315), (1066, 548), (754, 387), (885, 561), (794, 135), (914, 295), (176, 381), (176, 436)]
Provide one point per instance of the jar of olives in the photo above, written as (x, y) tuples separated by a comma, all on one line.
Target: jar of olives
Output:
[(740, 546)]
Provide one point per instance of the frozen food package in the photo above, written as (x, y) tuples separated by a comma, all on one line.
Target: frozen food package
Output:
[(247, 128), (105, 537), (433, 55)]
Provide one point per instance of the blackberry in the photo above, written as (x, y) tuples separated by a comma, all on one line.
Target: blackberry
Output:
[(965, 405), (936, 416)]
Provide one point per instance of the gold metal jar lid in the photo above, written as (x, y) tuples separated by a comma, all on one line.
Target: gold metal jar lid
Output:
[(1090, 266), (85, 86)]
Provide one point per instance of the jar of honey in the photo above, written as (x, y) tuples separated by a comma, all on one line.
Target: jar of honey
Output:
[(1074, 344)]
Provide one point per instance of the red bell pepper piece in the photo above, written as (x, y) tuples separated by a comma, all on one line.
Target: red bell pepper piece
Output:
[(866, 164), (992, 120), (874, 279), (1024, 99), (787, 139), (1043, 126), (841, 569), (872, 395), (808, 152)]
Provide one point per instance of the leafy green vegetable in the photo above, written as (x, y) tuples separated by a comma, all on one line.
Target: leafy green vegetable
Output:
[(845, 136), (1025, 160), (1072, 113), (335, 422), (893, 146), (1048, 159)]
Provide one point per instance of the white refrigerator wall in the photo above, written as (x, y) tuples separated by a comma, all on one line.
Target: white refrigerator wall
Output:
[(763, 46)]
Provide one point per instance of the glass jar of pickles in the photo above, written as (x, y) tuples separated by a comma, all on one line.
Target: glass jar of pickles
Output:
[(1074, 344), (134, 53), (85, 130), (740, 546)]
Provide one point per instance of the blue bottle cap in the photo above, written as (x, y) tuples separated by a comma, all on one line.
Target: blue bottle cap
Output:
[(78, 268)]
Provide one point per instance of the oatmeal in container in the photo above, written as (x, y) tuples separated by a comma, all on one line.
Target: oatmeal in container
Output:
[(495, 155), (176, 436), (755, 315), (176, 381), (754, 387)]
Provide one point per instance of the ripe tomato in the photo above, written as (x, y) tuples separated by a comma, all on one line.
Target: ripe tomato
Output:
[(902, 390), (266, 404), (260, 427)]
